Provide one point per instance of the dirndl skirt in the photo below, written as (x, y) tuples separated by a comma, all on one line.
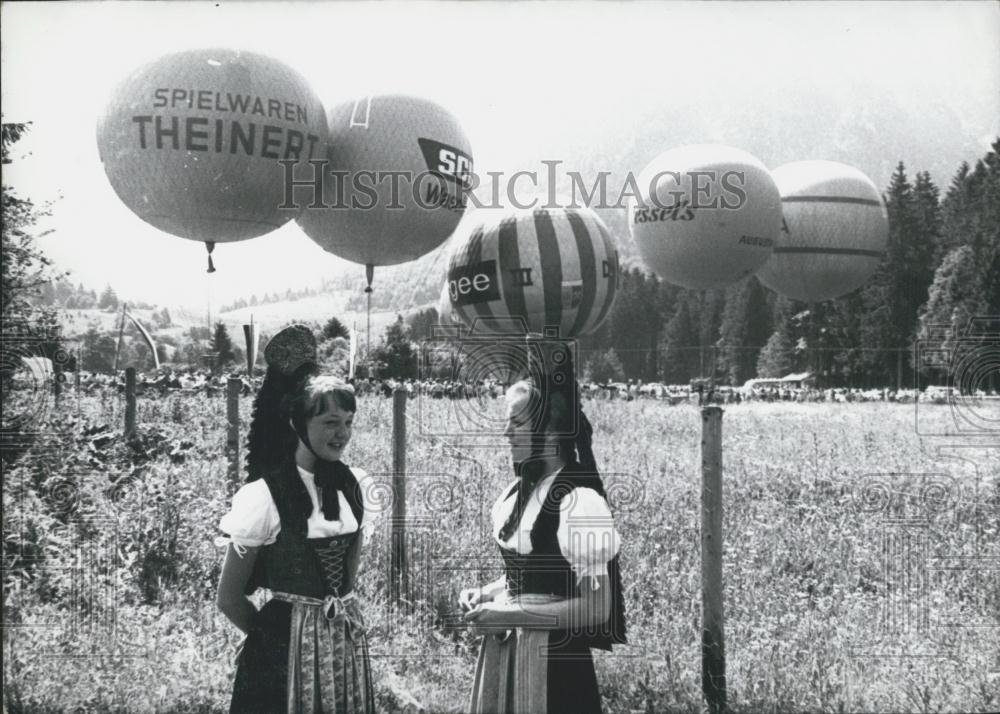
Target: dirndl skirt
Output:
[(305, 656), (528, 671)]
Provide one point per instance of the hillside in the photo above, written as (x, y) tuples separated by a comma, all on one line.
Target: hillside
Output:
[(270, 317)]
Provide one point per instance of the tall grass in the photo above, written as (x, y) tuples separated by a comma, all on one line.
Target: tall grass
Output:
[(850, 563)]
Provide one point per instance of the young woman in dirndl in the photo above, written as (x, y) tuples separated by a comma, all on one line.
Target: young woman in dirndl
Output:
[(561, 591), (296, 529)]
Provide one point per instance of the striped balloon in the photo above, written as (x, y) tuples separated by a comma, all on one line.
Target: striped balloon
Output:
[(533, 270), (446, 316), (834, 231)]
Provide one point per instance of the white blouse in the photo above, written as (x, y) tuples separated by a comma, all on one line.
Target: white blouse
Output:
[(253, 520), (586, 533)]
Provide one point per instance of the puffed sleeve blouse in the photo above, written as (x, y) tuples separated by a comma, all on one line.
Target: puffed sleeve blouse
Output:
[(586, 533), (253, 520)]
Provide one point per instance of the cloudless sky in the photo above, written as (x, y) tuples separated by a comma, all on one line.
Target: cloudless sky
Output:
[(526, 80)]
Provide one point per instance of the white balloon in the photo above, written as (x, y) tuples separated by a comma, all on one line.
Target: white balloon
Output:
[(707, 215), (834, 233)]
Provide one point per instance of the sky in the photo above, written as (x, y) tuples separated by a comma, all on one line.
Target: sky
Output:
[(527, 81)]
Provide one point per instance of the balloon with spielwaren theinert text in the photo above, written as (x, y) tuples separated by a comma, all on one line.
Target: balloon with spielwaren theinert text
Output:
[(192, 142), (834, 232), (706, 215), (533, 269), (394, 188)]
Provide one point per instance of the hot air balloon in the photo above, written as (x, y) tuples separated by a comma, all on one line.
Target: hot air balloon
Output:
[(535, 269), (395, 185), (834, 233), (191, 142), (707, 215)]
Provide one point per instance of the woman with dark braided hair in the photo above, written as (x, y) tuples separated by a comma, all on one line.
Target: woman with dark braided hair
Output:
[(295, 529), (561, 591)]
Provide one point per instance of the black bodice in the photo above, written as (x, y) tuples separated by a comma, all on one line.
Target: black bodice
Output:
[(335, 566), (546, 571), (314, 567)]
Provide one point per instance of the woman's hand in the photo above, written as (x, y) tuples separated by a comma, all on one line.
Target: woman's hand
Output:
[(591, 608), (470, 598), (491, 618)]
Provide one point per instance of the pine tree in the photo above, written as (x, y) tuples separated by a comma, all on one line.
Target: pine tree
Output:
[(844, 365), (732, 332), (923, 255), (902, 227), (701, 321), (710, 303), (894, 296), (632, 325), (108, 300), (421, 324), (777, 357), (681, 358), (955, 211), (955, 296), (335, 328), (396, 354), (788, 339), (927, 206), (604, 367), (745, 328), (877, 331), (967, 281), (648, 340), (985, 189), (222, 345)]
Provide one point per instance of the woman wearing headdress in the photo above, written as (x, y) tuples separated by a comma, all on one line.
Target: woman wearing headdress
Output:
[(561, 591), (295, 528)]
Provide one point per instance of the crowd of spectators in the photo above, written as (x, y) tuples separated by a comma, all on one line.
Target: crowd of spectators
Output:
[(207, 382), (164, 381)]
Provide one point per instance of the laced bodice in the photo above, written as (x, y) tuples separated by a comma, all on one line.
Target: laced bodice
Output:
[(332, 556)]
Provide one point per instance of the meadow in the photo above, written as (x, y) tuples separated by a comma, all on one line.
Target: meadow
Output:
[(860, 561)]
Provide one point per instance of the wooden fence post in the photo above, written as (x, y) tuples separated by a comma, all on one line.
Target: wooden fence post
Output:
[(129, 401), (399, 576), (233, 388), (713, 651)]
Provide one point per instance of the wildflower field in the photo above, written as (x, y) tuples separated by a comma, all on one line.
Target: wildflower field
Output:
[(861, 562)]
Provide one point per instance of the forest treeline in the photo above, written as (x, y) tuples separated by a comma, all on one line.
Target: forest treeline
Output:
[(941, 269)]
